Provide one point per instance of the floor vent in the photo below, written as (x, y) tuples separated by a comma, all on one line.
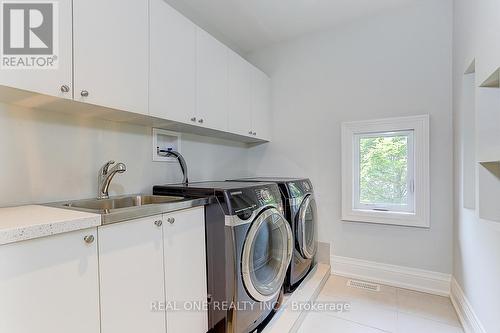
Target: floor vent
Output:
[(363, 285)]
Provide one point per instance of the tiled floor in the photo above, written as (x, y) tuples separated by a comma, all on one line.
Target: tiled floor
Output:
[(389, 310)]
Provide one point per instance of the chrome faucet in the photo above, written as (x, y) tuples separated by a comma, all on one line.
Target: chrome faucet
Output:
[(105, 176), (180, 159)]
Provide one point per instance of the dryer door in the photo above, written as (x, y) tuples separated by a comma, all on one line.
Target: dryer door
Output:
[(306, 227), (266, 255)]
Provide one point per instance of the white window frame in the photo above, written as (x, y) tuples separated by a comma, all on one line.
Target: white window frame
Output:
[(418, 211)]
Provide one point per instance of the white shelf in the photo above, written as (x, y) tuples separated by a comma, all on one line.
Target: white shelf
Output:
[(472, 68), (493, 167), (493, 81)]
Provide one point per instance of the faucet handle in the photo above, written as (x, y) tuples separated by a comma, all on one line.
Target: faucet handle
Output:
[(105, 167)]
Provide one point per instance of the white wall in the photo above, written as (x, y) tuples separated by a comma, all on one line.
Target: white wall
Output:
[(477, 241), (49, 156), (395, 64)]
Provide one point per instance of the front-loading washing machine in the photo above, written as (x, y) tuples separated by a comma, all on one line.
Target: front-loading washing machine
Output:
[(249, 248), (300, 211)]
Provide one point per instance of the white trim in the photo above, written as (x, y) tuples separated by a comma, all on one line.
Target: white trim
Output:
[(420, 127), (465, 312), (397, 276)]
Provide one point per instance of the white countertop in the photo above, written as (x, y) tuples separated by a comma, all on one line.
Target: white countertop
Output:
[(34, 221)]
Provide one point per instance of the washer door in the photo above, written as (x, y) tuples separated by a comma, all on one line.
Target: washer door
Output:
[(306, 227), (267, 252)]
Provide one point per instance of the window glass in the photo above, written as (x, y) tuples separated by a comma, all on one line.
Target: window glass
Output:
[(384, 172)]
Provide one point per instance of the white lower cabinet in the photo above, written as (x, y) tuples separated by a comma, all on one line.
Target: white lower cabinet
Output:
[(50, 284), (131, 276), (143, 260), (111, 279), (185, 270)]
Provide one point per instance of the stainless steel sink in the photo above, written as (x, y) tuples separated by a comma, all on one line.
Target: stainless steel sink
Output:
[(128, 207), (121, 202)]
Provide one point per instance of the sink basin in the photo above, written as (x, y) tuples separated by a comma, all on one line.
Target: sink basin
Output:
[(121, 202), (129, 207)]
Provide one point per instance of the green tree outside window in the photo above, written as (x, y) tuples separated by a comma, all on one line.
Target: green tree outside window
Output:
[(383, 168)]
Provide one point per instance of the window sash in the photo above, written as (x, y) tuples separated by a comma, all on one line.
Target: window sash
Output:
[(410, 177)]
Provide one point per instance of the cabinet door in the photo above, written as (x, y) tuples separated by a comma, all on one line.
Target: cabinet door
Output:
[(50, 285), (111, 53), (52, 80), (211, 92), (172, 90), (239, 95), (261, 108), (131, 276), (185, 269)]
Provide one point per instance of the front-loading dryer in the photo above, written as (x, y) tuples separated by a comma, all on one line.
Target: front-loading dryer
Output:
[(249, 249), (300, 211)]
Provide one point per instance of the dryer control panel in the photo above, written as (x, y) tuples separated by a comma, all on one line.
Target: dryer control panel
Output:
[(250, 199), (264, 196)]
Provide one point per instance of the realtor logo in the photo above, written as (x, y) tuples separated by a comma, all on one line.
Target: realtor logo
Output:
[(29, 35)]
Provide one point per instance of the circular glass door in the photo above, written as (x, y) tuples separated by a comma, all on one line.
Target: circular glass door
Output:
[(306, 227), (267, 252)]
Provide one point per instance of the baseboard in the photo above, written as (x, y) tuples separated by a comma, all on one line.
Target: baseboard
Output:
[(398, 276), (468, 318)]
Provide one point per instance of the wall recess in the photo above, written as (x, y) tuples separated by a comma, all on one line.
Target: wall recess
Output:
[(165, 140), (489, 190), (468, 121)]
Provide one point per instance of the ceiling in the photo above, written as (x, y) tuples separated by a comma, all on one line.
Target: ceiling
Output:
[(248, 25)]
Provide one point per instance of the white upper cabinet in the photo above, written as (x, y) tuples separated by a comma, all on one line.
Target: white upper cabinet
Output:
[(239, 95), (261, 105), (55, 81), (172, 89), (249, 99), (144, 57), (212, 83), (185, 269), (131, 276), (111, 53), (50, 284)]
